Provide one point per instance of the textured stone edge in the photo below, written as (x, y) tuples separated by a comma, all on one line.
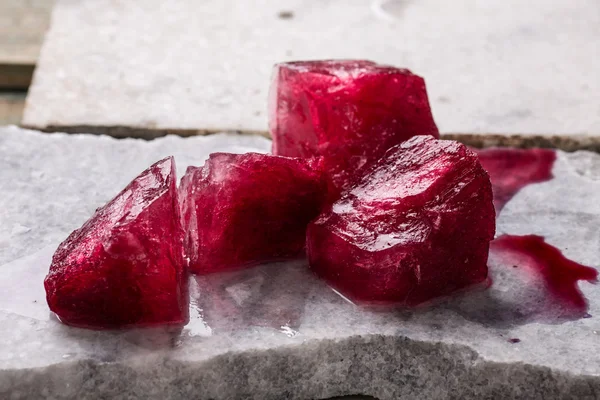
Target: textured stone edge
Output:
[(562, 142), (568, 143), (121, 132), (387, 367)]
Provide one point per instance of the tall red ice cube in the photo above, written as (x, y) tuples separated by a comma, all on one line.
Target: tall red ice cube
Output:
[(348, 111)]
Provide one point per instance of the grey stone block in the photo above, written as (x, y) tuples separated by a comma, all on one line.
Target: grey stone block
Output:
[(498, 72), (276, 331)]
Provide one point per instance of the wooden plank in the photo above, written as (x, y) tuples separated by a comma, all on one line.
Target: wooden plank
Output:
[(11, 107), (23, 24), (15, 76)]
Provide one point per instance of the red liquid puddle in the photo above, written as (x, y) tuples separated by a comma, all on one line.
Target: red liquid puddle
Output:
[(511, 170), (558, 272)]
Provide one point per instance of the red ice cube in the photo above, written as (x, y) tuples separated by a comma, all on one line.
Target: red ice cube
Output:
[(348, 111), (415, 227), (124, 267), (244, 209)]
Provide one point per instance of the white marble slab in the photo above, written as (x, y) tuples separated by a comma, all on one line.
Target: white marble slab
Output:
[(145, 67), (276, 331)]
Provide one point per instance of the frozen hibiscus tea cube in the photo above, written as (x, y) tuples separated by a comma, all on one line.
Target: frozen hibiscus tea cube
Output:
[(124, 267), (348, 111), (244, 209), (415, 227)]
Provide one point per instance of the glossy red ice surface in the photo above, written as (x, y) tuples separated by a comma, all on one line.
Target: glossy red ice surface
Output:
[(124, 267), (511, 170), (244, 209), (348, 111), (415, 227)]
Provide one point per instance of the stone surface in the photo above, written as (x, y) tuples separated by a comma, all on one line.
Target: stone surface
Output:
[(275, 331), (502, 66), (241, 210), (349, 112), (415, 227), (124, 267)]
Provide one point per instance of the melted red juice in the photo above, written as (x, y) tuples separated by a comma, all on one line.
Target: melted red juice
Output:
[(560, 274), (511, 170)]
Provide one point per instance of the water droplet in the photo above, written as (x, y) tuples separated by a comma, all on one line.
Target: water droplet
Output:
[(514, 340), (288, 331), (389, 10), (19, 229)]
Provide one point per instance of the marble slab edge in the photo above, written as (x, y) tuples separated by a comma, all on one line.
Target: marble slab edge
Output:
[(387, 367), (567, 143), (358, 360)]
